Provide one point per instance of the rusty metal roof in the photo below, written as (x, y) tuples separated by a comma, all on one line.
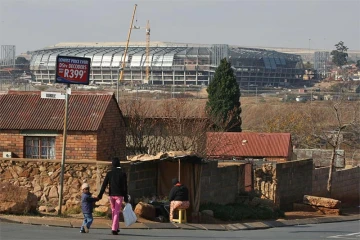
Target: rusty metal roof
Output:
[(247, 144), (28, 111)]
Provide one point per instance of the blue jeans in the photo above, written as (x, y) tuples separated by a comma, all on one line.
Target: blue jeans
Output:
[(88, 219)]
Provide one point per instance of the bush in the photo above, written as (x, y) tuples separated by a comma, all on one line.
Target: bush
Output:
[(73, 210), (238, 211)]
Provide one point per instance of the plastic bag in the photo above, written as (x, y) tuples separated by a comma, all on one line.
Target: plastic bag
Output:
[(129, 215)]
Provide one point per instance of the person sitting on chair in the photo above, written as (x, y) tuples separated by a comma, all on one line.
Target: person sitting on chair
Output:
[(178, 197)]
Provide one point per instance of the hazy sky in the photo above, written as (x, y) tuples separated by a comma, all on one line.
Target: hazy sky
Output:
[(34, 24)]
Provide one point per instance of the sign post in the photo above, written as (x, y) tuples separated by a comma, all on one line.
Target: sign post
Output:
[(69, 70)]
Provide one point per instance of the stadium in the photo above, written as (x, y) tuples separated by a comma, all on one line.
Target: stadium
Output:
[(172, 63)]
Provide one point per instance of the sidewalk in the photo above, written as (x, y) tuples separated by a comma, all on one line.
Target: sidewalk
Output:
[(101, 223)]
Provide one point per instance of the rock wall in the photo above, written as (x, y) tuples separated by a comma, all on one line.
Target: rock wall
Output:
[(42, 177), (265, 181)]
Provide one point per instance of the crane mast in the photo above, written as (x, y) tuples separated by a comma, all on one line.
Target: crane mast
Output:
[(147, 52), (121, 77)]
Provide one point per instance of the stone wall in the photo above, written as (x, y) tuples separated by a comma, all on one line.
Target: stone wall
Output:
[(345, 184), (294, 180), (265, 181), (42, 177), (221, 184)]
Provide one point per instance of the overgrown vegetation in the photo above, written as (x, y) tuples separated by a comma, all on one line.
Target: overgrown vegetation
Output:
[(239, 211)]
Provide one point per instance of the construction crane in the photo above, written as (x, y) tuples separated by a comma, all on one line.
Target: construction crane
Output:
[(147, 52), (121, 77)]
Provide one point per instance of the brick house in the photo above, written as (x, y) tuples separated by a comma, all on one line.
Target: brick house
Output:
[(248, 145), (32, 127)]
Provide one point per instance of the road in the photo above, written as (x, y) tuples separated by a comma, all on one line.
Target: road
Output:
[(340, 230)]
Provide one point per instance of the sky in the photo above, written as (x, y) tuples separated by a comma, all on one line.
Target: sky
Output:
[(35, 24)]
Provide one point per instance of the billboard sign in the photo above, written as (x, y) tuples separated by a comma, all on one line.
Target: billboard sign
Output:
[(72, 70)]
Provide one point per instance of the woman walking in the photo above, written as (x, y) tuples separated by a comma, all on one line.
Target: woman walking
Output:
[(116, 179)]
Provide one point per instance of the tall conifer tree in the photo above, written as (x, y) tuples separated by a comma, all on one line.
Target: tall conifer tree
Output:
[(223, 105)]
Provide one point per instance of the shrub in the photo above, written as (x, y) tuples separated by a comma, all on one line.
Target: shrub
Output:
[(73, 210), (238, 211)]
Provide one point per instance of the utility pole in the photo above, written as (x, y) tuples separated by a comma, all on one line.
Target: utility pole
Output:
[(67, 94), (309, 50), (256, 95)]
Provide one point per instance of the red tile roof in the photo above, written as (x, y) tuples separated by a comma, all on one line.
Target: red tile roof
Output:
[(247, 144), (28, 111)]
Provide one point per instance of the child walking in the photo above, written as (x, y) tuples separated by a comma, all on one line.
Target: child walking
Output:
[(87, 203)]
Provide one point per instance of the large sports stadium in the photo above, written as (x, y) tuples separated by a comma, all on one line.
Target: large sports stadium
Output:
[(172, 63)]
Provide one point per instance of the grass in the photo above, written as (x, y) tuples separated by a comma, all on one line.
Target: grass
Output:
[(73, 210), (238, 211), (100, 214)]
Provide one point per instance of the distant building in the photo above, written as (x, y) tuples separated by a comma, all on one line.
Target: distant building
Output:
[(173, 63), (320, 61)]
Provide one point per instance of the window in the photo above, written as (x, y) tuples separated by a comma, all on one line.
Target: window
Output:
[(40, 147)]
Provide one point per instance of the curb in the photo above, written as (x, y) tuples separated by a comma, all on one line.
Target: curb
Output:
[(188, 226)]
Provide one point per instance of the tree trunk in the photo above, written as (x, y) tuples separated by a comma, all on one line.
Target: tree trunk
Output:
[(331, 170)]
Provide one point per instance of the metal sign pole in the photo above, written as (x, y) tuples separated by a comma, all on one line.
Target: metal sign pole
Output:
[(179, 170), (68, 89)]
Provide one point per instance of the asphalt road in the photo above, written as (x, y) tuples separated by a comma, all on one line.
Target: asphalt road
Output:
[(339, 230)]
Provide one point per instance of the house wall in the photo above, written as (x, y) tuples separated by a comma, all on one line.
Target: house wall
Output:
[(294, 180), (111, 135), (221, 184), (11, 141), (79, 145), (345, 184)]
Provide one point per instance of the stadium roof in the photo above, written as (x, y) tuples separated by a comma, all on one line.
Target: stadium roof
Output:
[(122, 44)]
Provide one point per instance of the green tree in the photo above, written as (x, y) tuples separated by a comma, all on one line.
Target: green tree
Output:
[(358, 64), (21, 61), (308, 65), (339, 56), (223, 105)]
